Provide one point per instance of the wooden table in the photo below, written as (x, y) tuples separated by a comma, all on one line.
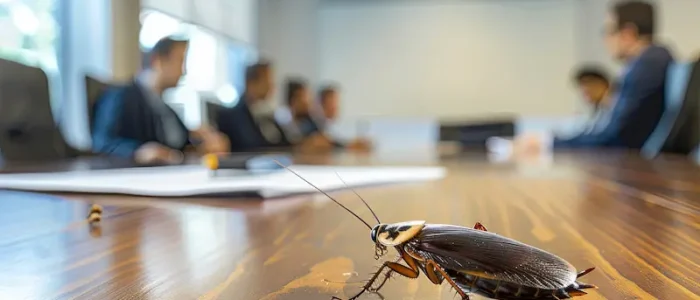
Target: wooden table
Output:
[(638, 222)]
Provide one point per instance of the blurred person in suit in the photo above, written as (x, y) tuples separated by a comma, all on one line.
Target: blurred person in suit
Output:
[(310, 123), (594, 85), (251, 124), (595, 88), (133, 120), (298, 100), (329, 102), (639, 99)]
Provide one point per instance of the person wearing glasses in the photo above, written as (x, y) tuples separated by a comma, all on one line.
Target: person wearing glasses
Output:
[(639, 100)]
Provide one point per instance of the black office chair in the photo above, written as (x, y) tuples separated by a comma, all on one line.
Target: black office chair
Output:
[(679, 128), (28, 131), (94, 90)]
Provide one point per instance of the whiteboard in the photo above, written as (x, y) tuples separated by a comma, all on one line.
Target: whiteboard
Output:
[(450, 59)]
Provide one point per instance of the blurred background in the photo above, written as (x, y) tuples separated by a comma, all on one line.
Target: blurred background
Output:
[(403, 66)]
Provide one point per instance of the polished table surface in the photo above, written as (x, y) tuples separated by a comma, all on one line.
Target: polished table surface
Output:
[(637, 221)]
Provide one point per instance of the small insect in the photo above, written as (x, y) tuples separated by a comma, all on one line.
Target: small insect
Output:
[(471, 260), (94, 214)]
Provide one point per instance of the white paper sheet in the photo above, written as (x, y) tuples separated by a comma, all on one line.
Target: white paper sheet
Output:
[(182, 181)]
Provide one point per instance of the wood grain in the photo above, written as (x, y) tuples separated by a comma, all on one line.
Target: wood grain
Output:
[(637, 221)]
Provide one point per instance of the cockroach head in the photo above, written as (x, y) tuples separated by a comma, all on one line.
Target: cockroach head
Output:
[(373, 234), (394, 234), (379, 249)]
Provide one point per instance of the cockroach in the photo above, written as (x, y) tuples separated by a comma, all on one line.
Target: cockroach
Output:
[(471, 260)]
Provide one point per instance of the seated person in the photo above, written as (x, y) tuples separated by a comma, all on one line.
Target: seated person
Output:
[(133, 121), (251, 125), (329, 101), (596, 89), (299, 105), (640, 100), (304, 121)]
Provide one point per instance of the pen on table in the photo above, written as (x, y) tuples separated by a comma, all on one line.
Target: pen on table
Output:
[(251, 163)]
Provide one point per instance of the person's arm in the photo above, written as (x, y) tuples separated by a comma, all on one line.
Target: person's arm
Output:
[(105, 133), (643, 82)]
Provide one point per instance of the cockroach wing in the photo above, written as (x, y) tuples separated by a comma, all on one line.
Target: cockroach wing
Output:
[(492, 256)]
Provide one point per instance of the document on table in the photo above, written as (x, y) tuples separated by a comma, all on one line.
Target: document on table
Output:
[(184, 181)]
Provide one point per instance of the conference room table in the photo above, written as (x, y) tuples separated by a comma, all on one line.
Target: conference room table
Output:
[(637, 221)]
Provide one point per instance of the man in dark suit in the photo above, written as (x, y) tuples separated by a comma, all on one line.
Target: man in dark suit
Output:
[(251, 125), (299, 104), (639, 100), (133, 120)]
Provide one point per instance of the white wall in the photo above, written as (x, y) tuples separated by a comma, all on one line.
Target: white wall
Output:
[(288, 35), (331, 40), (233, 18), (589, 18), (450, 60), (679, 27)]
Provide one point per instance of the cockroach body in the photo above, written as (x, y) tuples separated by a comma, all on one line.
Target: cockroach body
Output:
[(471, 260), (475, 261)]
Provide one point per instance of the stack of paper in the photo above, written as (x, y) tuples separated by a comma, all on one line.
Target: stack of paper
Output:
[(181, 181)]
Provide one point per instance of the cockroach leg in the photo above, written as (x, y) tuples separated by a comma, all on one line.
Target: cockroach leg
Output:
[(432, 274), (585, 272), (369, 283), (431, 264), (387, 275), (407, 258), (376, 293), (411, 271), (479, 226)]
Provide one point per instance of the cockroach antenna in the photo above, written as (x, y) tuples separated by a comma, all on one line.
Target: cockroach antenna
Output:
[(323, 192), (358, 196)]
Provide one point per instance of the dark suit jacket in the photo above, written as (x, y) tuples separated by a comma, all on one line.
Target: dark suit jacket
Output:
[(244, 133), (638, 107), (124, 120), (309, 126)]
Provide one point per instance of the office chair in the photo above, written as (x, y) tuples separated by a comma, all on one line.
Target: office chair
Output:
[(94, 89), (28, 131), (679, 128)]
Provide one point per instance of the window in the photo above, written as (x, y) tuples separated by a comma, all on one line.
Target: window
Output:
[(215, 65), (239, 57), (30, 35)]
